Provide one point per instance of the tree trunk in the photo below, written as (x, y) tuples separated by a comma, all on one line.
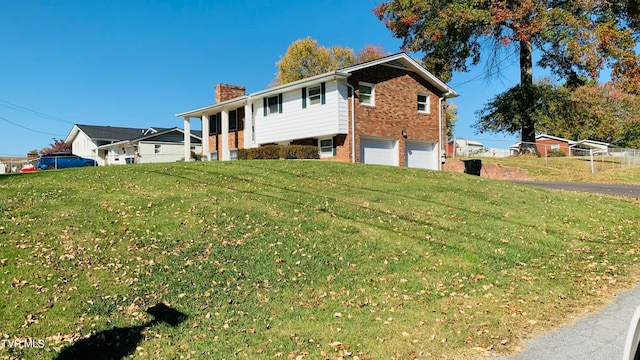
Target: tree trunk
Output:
[(528, 138)]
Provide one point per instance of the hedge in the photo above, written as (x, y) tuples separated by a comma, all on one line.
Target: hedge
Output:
[(279, 152)]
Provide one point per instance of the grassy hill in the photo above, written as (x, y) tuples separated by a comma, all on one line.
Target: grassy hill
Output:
[(298, 259), (606, 169)]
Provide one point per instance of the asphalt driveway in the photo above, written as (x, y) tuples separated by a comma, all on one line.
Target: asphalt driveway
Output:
[(598, 336), (610, 189)]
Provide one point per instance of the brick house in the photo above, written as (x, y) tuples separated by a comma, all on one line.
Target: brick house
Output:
[(546, 143), (387, 111)]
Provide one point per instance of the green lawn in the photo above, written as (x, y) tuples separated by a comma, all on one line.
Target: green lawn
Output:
[(304, 259)]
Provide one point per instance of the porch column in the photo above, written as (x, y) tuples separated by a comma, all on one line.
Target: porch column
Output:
[(248, 126), (205, 137), (225, 135), (187, 138)]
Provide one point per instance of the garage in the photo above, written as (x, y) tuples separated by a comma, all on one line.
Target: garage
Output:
[(379, 151), (421, 154)]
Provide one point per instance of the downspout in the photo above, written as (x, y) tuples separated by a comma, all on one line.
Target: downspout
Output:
[(440, 126), (353, 122)]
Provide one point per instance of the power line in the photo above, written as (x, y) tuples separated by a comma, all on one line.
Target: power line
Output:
[(488, 71), (32, 112), (26, 128)]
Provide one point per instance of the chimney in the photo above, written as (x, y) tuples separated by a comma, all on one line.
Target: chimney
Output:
[(226, 92)]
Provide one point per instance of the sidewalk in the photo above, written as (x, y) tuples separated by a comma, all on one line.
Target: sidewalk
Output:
[(598, 336)]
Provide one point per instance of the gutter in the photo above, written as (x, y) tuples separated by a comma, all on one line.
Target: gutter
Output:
[(353, 122)]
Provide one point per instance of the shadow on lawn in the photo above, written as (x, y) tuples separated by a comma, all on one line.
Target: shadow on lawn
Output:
[(120, 342)]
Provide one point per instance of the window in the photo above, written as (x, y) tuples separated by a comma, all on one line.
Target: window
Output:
[(272, 105), (326, 147), (233, 120), (365, 93), (156, 149), (213, 124), (423, 103), (555, 146), (315, 95)]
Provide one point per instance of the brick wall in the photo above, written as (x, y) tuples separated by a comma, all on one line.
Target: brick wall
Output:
[(226, 92), (395, 108), (544, 146), (236, 137), (491, 171)]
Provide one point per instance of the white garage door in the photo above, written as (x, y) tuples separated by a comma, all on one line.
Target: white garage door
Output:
[(421, 154), (378, 151)]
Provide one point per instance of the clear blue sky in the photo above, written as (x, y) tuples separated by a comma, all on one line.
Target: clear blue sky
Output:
[(138, 63)]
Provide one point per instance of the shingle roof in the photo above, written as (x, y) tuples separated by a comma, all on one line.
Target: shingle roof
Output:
[(112, 133)]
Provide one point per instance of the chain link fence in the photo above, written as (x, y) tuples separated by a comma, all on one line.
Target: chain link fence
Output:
[(600, 156)]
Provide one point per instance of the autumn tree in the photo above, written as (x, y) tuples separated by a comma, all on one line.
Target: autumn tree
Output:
[(305, 58), (450, 117), (602, 112), (572, 37), (57, 146)]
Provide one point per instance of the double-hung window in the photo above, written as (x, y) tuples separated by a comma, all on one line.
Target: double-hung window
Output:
[(326, 147), (233, 120), (272, 105), (314, 95), (366, 93), (423, 103), (213, 124)]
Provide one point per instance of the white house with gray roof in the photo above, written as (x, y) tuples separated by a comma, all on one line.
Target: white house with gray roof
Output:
[(110, 145)]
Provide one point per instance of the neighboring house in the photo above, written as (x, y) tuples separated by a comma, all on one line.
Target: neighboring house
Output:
[(546, 143), (587, 147), (465, 147), (110, 145), (387, 111), (11, 164)]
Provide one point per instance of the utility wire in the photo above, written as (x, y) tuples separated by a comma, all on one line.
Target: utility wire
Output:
[(32, 112), (26, 128), (486, 72)]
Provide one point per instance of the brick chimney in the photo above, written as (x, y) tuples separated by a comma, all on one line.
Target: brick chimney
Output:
[(226, 92)]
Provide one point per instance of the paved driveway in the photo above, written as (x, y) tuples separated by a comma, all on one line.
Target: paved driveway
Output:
[(598, 336), (611, 189)]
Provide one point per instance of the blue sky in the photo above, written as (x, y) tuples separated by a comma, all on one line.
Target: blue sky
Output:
[(138, 63)]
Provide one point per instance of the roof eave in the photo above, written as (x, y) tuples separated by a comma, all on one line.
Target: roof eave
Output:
[(199, 112)]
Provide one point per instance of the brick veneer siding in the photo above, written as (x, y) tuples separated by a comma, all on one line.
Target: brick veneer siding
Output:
[(236, 137), (226, 92), (544, 146), (395, 108)]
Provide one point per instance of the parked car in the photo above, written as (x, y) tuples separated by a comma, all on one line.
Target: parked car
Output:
[(63, 160), (28, 168)]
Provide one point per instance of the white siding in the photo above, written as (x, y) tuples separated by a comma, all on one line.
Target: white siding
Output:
[(83, 146), (297, 123), (169, 152)]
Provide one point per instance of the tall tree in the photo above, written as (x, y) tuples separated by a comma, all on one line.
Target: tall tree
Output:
[(305, 58), (571, 36), (606, 113)]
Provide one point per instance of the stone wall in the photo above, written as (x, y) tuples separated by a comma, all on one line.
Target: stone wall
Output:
[(491, 171)]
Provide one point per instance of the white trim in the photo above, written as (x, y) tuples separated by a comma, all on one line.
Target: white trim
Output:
[(427, 103), (372, 95), (449, 92), (330, 152)]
